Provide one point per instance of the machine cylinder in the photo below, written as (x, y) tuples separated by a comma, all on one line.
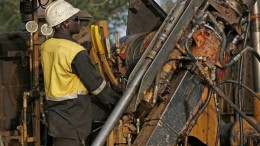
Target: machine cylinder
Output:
[(255, 37)]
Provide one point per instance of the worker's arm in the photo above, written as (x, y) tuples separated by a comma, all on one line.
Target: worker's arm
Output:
[(90, 77)]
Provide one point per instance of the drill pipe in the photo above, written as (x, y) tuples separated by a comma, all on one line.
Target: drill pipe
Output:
[(121, 105)]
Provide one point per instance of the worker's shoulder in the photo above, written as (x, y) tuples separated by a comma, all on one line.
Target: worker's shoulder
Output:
[(63, 44)]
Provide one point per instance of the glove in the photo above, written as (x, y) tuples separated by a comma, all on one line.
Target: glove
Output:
[(108, 96)]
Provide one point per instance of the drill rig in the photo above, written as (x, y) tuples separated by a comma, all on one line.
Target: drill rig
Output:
[(189, 77), (184, 75)]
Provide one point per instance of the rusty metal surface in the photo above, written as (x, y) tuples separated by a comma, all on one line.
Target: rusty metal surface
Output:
[(207, 45), (254, 140), (146, 42), (166, 122), (248, 130), (167, 46)]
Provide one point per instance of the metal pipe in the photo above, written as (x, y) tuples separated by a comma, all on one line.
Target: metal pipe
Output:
[(156, 87), (120, 107), (241, 79), (255, 37), (242, 85), (24, 134)]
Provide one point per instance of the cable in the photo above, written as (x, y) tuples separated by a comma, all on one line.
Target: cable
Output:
[(212, 84), (222, 50), (243, 85), (204, 106)]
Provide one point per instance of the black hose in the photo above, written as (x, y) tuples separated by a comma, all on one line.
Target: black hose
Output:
[(241, 124), (254, 52), (224, 41), (243, 85), (238, 56), (205, 104), (223, 46), (196, 116), (187, 39), (213, 85)]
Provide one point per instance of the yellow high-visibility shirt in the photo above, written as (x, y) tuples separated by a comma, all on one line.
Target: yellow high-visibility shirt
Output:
[(59, 81)]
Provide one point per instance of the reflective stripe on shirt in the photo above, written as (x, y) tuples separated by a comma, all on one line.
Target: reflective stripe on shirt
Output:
[(100, 88), (70, 96)]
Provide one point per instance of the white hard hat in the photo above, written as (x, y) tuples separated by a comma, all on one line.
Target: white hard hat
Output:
[(59, 11)]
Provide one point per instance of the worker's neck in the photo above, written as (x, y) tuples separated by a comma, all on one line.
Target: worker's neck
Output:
[(63, 35)]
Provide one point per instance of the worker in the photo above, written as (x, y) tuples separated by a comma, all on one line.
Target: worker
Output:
[(70, 79)]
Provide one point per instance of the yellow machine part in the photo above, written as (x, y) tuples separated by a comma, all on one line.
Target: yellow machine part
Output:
[(102, 54), (248, 131), (93, 53), (206, 127), (256, 108)]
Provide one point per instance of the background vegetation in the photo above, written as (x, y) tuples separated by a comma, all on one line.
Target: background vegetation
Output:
[(115, 11)]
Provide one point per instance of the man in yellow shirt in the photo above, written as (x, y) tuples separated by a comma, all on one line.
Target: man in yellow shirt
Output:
[(70, 78)]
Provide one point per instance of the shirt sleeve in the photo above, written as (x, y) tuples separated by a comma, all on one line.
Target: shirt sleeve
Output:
[(86, 71), (91, 78)]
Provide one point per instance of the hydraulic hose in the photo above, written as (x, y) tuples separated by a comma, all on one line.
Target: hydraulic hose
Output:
[(242, 85), (223, 46), (97, 40), (224, 41), (213, 85), (186, 43), (103, 56), (93, 52), (211, 28), (238, 56), (255, 53), (204, 106)]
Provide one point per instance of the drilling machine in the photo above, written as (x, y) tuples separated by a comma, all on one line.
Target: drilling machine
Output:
[(189, 77), (185, 77)]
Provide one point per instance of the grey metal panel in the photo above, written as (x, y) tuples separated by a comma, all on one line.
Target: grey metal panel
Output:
[(144, 16), (164, 128)]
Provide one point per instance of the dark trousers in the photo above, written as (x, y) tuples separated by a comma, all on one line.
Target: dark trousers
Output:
[(99, 114), (57, 141)]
